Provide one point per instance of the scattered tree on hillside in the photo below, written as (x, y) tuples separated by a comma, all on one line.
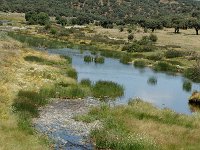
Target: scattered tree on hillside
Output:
[(37, 18), (152, 24), (194, 23)]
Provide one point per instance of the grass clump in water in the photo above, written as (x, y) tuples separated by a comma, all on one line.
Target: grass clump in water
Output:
[(125, 59), (139, 63), (107, 89), (99, 59), (187, 85), (152, 81), (165, 67), (88, 58)]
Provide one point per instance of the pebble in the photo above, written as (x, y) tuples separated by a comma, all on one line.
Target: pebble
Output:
[(56, 121)]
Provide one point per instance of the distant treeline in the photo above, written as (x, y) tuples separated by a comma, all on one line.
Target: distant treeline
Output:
[(150, 14)]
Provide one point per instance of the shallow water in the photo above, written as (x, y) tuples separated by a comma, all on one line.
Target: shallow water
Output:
[(166, 92)]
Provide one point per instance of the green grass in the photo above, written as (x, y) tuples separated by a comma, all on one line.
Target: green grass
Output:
[(72, 74), (140, 125), (44, 61), (107, 90), (38, 41), (86, 82)]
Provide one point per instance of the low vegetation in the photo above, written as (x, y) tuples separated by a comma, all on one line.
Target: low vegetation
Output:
[(140, 125), (107, 90)]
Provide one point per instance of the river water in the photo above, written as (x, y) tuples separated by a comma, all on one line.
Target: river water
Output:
[(166, 92)]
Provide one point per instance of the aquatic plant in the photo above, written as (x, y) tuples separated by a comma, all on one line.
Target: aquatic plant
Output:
[(139, 63), (187, 85), (99, 59), (107, 89), (88, 58), (152, 80)]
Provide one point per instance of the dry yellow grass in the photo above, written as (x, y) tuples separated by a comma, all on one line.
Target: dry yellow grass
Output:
[(187, 39), (12, 16), (16, 74)]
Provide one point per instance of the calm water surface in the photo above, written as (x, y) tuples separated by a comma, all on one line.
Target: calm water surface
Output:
[(167, 92)]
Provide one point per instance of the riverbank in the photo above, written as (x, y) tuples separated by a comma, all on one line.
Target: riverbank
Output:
[(160, 59), (133, 127), (23, 72), (57, 121)]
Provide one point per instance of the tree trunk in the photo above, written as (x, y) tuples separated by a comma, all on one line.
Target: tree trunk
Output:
[(152, 30), (197, 31)]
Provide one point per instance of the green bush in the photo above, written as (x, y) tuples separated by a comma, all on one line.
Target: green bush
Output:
[(70, 91), (88, 58), (174, 53), (155, 57), (86, 82), (139, 63), (193, 74), (166, 67), (153, 37), (107, 89), (99, 59), (68, 58), (72, 74), (125, 59)]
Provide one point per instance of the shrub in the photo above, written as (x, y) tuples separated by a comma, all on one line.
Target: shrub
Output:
[(121, 29), (173, 53), (68, 58), (53, 31), (86, 82), (99, 59), (139, 63), (107, 89), (130, 37), (125, 59), (88, 58), (193, 74), (72, 74), (129, 31), (163, 66), (153, 37), (155, 57)]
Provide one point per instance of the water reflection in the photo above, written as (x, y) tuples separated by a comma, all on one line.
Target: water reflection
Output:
[(168, 92), (187, 86), (152, 80)]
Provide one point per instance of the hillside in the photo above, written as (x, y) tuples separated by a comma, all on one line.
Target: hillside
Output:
[(119, 9)]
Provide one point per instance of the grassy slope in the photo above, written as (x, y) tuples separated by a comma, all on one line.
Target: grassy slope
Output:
[(16, 74)]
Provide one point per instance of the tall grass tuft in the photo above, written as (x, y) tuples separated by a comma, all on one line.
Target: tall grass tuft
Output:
[(107, 89), (72, 74), (126, 59), (99, 59), (88, 58)]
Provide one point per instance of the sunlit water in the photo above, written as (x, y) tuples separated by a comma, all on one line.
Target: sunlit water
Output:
[(167, 92)]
